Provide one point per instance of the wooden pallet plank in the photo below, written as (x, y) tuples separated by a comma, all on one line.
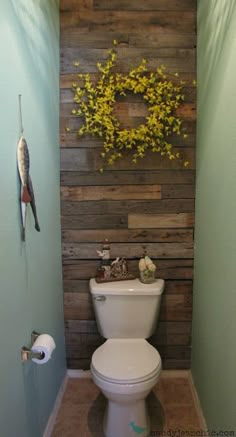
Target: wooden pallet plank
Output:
[(119, 21), (166, 206), (128, 235), (111, 192), (110, 177), (180, 220), (128, 250), (90, 159), (147, 5)]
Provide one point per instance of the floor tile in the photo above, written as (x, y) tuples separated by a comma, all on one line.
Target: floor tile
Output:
[(176, 391), (171, 406)]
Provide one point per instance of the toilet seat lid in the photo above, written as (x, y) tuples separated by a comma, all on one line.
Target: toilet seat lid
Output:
[(126, 360)]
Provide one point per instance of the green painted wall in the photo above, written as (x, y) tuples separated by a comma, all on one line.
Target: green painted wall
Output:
[(214, 316), (30, 273)]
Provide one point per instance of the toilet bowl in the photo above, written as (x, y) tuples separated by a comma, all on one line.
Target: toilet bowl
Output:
[(126, 370), (126, 367)]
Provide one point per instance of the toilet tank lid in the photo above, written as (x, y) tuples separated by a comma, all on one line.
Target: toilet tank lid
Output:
[(129, 287)]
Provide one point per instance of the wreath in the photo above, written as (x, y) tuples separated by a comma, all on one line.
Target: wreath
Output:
[(96, 106)]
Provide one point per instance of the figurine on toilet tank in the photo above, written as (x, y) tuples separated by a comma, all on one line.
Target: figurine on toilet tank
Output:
[(104, 271)]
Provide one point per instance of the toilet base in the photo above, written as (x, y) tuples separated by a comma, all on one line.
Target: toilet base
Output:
[(127, 419)]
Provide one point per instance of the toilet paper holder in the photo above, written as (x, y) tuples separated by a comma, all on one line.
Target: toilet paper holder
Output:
[(27, 354)]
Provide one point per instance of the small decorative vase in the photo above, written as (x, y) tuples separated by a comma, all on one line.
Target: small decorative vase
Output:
[(147, 277)]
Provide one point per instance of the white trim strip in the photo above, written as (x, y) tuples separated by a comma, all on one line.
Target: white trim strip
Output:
[(77, 373), (197, 402), (52, 419)]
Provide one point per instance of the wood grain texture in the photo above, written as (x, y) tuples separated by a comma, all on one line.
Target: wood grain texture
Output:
[(148, 205), (75, 38), (112, 21), (128, 250), (181, 220), (132, 5), (171, 269), (66, 79), (126, 177), (147, 5), (128, 236), (111, 192), (78, 159), (173, 206)]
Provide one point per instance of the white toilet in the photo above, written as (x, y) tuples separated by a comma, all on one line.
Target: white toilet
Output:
[(126, 366)]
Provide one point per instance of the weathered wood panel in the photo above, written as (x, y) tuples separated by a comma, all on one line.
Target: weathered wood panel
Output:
[(167, 22), (150, 204), (181, 220), (129, 250), (173, 206), (176, 60), (67, 79), (147, 5), (128, 236), (72, 38), (98, 221), (165, 177), (132, 5), (168, 269), (111, 192), (90, 159)]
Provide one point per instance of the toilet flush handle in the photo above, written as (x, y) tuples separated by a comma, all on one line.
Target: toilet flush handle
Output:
[(101, 298)]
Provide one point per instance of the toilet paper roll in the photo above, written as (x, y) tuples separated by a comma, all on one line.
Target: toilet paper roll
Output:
[(43, 344)]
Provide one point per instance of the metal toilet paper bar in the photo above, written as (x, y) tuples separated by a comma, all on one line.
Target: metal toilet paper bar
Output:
[(27, 354)]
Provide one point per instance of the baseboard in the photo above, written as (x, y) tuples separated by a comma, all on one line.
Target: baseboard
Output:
[(197, 402), (175, 373), (77, 373), (53, 415)]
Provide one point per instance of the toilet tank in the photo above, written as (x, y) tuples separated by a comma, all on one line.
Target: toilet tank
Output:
[(126, 309)]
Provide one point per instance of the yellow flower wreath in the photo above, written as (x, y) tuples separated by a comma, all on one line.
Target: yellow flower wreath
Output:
[(96, 103)]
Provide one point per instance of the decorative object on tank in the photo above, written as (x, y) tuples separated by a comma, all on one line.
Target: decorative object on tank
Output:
[(163, 94), (26, 186), (108, 271), (104, 271), (147, 269)]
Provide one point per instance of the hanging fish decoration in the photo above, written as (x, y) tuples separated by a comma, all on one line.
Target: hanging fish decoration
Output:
[(23, 168), (27, 192)]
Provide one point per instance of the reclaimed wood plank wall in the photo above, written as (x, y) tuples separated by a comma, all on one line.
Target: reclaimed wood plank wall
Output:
[(149, 204)]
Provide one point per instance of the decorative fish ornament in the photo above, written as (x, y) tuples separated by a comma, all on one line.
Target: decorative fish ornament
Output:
[(27, 192), (23, 161)]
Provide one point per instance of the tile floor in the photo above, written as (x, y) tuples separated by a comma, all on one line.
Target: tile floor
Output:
[(172, 406)]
